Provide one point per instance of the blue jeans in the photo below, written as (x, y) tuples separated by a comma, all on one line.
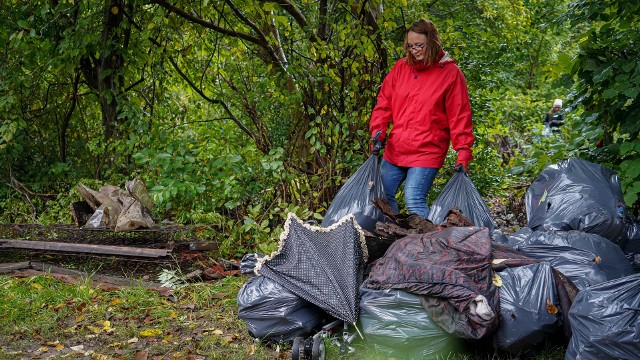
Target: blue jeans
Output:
[(417, 182)]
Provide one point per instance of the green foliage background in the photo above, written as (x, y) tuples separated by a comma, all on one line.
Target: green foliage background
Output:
[(237, 112)]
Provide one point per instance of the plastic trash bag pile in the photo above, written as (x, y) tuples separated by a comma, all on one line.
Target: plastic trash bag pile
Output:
[(569, 276)]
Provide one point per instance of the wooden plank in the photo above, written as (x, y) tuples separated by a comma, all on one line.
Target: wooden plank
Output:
[(84, 248), (9, 267)]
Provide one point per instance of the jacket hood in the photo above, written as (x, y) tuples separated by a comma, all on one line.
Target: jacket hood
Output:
[(445, 58)]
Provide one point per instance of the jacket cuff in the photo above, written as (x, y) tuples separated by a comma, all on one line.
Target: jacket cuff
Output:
[(464, 155)]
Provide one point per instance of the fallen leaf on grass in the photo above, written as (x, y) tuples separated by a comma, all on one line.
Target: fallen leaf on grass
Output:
[(106, 326), (37, 336), (180, 356), (70, 329), (140, 355), (213, 331), (94, 329), (227, 340), (36, 286), (150, 332), (219, 296), (81, 306), (115, 345), (56, 345), (168, 338)]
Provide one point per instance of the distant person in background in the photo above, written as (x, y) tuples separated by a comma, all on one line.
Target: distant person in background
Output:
[(554, 118)]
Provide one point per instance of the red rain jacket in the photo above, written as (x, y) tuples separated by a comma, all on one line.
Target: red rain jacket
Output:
[(428, 108)]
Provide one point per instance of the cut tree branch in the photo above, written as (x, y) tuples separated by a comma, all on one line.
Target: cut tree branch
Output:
[(213, 101)]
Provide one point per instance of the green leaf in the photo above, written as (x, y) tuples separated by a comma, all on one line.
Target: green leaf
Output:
[(627, 147), (632, 92), (631, 193), (631, 168), (589, 65), (629, 66)]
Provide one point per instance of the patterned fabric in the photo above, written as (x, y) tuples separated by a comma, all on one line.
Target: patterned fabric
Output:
[(451, 268), (321, 265)]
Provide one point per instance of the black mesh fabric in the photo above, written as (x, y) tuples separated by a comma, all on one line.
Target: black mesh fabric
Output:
[(321, 265)]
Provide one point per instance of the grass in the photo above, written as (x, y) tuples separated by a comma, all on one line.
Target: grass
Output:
[(46, 318)]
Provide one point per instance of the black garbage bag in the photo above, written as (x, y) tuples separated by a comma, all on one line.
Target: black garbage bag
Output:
[(529, 307), (605, 320), (394, 321), (634, 259), (249, 262), (578, 195), (586, 259), (273, 313), (356, 196), (633, 234), (460, 192)]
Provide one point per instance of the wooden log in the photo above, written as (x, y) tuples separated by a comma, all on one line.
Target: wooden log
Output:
[(71, 276), (116, 280), (84, 248)]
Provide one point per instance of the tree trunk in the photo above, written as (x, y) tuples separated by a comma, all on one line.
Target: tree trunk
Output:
[(100, 70)]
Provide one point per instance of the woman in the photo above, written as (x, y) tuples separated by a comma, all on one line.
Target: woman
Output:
[(425, 99)]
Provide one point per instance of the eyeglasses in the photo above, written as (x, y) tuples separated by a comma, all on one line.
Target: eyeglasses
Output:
[(416, 47)]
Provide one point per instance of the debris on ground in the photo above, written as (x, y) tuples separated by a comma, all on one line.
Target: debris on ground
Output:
[(114, 208), (464, 280)]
